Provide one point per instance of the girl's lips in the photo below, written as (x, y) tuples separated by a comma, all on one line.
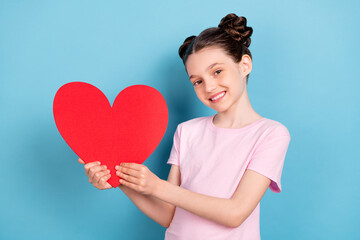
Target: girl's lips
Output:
[(217, 97)]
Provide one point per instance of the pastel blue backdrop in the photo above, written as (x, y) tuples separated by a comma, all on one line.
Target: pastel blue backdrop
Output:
[(305, 75)]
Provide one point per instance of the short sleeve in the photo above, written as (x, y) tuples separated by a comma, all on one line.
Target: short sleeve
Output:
[(175, 150), (268, 158)]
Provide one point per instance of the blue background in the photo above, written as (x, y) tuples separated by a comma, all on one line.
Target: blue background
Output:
[(305, 75)]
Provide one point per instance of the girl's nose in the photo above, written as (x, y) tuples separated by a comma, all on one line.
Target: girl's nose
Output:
[(210, 86)]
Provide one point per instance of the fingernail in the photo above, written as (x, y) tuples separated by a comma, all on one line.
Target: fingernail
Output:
[(108, 171), (116, 167)]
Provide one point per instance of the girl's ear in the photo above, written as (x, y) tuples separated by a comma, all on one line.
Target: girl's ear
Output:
[(245, 65)]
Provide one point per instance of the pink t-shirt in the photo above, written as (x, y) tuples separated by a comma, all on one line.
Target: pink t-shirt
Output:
[(212, 161)]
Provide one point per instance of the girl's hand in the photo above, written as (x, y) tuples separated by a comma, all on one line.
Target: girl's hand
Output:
[(137, 177), (98, 174)]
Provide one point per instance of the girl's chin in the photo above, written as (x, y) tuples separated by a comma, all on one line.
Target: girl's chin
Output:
[(218, 109)]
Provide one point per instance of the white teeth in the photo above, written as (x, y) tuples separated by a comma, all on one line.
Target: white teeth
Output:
[(218, 96)]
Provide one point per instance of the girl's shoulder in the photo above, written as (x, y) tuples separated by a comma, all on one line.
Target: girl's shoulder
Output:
[(274, 127)]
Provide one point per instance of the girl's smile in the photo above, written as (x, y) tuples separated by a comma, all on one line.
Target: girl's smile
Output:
[(217, 97)]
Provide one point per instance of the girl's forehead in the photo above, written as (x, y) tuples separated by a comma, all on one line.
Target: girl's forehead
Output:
[(213, 52), (200, 60)]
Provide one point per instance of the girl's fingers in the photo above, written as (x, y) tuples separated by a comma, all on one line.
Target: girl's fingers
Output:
[(103, 184), (129, 171), (90, 165), (94, 170), (128, 178), (103, 181), (134, 166), (99, 175)]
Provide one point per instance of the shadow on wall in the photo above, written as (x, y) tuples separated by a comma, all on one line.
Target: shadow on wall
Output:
[(179, 95)]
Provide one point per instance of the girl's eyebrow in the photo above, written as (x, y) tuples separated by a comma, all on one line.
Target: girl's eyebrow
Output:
[(209, 67)]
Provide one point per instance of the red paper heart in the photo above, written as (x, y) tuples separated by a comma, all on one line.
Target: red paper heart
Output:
[(129, 131)]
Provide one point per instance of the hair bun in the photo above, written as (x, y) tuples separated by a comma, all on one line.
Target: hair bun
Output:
[(236, 27), (184, 47)]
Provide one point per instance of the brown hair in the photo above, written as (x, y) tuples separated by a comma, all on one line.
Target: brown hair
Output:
[(232, 35)]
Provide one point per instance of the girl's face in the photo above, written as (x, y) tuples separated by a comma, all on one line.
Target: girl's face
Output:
[(218, 81)]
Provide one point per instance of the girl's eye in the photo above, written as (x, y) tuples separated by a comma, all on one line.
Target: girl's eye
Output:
[(197, 82), (218, 71)]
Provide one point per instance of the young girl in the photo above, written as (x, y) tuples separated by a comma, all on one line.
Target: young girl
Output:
[(221, 165)]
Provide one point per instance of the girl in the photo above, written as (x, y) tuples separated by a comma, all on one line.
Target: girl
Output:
[(221, 165)]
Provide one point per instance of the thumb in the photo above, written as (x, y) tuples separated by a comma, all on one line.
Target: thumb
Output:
[(81, 161)]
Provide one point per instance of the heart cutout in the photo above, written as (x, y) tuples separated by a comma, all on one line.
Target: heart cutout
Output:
[(128, 131)]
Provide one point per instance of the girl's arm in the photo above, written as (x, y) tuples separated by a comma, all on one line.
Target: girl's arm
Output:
[(229, 212)]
